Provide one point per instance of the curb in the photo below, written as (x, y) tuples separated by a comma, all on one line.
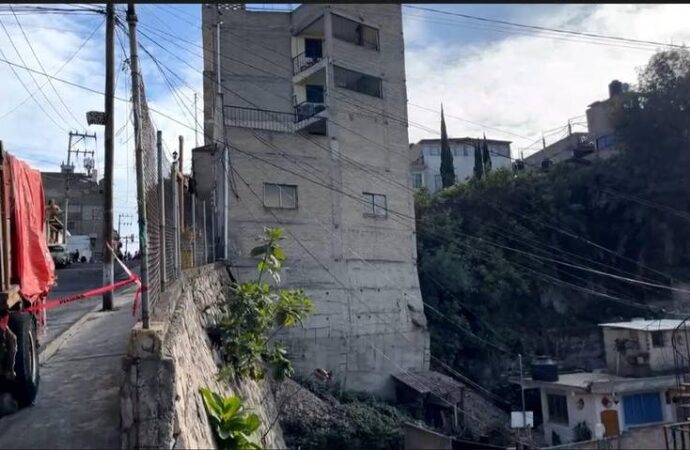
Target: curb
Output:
[(52, 347)]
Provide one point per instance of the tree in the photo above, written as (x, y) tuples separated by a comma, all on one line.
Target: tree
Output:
[(447, 169), (478, 161), (486, 157)]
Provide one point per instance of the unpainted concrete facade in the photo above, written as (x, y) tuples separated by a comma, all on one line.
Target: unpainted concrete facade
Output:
[(359, 269), (85, 217)]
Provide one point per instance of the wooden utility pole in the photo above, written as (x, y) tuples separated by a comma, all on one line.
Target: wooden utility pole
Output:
[(108, 276), (141, 189)]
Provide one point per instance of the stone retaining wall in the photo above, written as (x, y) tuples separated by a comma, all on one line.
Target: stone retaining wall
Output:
[(167, 364)]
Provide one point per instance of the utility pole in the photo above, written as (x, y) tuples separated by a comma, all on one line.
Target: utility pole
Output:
[(120, 223), (68, 169), (196, 122), (141, 193), (108, 276)]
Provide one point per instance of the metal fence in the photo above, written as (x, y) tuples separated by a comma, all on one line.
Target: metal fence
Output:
[(176, 220)]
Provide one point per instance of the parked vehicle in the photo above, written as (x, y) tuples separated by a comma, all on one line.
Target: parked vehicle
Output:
[(60, 255), (27, 273)]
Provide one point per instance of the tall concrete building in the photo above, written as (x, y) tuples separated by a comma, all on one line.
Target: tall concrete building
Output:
[(312, 106)]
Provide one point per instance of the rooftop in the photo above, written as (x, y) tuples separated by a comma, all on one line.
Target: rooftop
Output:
[(429, 381), (600, 382), (645, 325), (468, 140)]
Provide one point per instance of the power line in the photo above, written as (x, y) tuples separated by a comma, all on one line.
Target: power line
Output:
[(40, 64), (57, 71), (547, 29)]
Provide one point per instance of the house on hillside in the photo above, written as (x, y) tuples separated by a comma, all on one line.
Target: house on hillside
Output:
[(637, 388), (425, 160), (599, 142)]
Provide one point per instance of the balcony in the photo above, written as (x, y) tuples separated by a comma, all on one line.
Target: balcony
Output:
[(302, 62), (306, 117)]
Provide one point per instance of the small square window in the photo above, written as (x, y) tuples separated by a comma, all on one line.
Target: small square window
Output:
[(657, 339), (280, 196), (417, 180), (375, 205)]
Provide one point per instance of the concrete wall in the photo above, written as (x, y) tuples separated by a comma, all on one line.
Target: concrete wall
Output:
[(167, 365), (417, 438), (659, 358), (559, 151), (360, 271)]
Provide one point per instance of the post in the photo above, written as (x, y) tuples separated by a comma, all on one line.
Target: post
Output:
[(196, 123), (141, 193), (161, 210), (226, 175), (176, 220), (108, 276), (193, 206), (179, 178), (522, 393), (205, 237)]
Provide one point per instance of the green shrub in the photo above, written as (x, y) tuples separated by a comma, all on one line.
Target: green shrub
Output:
[(232, 426)]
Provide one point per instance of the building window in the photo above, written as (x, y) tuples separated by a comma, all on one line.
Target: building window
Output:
[(657, 339), (280, 196), (375, 205), (355, 32), (438, 183), (417, 180), (313, 48), (358, 82), (642, 408), (558, 408), (465, 150), (314, 93), (605, 141), (433, 150)]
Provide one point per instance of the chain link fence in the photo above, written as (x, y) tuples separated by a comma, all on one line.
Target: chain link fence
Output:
[(176, 220)]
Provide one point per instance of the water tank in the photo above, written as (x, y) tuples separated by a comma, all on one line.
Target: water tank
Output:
[(615, 88), (544, 369)]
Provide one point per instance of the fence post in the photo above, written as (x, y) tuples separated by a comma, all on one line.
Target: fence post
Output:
[(205, 238), (176, 220), (161, 211), (193, 201)]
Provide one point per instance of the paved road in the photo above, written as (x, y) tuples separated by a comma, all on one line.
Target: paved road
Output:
[(78, 403), (73, 279)]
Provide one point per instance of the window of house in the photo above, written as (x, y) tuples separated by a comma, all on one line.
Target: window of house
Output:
[(438, 182), (375, 205), (657, 339), (313, 48), (280, 196), (433, 150), (642, 408), (358, 82), (314, 93), (605, 141), (355, 32), (558, 408), (417, 180), (465, 150)]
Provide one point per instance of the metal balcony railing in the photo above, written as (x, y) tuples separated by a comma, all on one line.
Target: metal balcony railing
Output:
[(306, 110), (262, 119), (302, 62)]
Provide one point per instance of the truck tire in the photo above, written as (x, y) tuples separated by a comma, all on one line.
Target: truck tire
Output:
[(25, 386)]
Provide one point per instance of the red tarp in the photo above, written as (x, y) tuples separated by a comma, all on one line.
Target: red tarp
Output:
[(34, 265)]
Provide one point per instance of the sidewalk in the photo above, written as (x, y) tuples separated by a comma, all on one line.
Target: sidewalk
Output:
[(78, 403)]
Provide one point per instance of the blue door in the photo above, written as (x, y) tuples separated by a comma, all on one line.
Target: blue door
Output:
[(642, 408)]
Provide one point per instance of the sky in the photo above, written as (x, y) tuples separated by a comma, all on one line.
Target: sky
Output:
[(511, 85)]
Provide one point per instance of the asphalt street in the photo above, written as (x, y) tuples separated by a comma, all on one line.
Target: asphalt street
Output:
[(72, 280)]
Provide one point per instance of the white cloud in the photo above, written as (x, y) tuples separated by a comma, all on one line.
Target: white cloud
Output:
[(525, 84)]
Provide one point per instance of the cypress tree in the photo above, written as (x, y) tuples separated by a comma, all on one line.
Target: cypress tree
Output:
[(478, 162), (447, 169), (486, 157)]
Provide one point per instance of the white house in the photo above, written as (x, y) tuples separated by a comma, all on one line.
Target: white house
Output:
[(425, 165), (636, 389)]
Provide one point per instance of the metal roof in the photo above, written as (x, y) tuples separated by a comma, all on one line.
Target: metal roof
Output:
[(428, 381), (645, 325)]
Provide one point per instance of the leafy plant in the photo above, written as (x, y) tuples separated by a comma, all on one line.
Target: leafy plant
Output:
[(255, 312), (232, 426), (581, 432)]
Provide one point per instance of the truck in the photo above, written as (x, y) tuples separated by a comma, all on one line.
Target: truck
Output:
[(27, 273)]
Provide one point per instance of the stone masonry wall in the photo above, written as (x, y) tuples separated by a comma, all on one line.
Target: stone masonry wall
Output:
[(167, 365)]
